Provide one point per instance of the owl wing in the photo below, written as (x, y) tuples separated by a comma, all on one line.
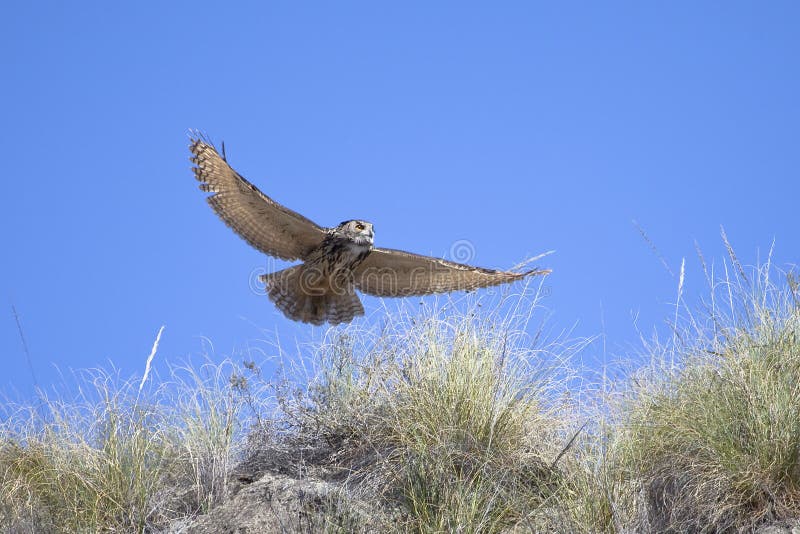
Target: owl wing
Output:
[(396, 273), (259, 220)]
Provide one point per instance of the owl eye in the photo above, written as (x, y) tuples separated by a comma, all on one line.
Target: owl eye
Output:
[(360, 226)]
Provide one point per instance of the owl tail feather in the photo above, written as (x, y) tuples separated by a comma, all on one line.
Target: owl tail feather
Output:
[(298, 303)]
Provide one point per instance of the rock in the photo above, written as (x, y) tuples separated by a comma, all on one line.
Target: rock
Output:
[(283, 504), (784, 527)]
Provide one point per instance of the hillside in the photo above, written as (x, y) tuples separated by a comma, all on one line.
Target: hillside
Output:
[(440, 421)]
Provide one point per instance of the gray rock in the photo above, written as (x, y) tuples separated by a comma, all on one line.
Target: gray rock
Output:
[(784, 527), (283, 504)]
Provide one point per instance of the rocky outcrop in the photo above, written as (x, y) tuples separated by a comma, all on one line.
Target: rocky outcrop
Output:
[(271, 492), (275, 503)]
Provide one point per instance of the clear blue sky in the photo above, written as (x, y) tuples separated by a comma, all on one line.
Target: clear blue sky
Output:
[(520, 126)]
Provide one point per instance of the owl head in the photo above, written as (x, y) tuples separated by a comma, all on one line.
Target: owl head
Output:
[(359, 232)]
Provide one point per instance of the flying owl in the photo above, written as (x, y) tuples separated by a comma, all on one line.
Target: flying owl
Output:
[(337, 261)]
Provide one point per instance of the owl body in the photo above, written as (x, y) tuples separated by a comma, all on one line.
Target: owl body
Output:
[(337, 261), (323, 289), (343, 249)]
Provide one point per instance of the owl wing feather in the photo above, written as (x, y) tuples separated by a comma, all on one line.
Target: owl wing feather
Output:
[(259, 220), (396, 273)]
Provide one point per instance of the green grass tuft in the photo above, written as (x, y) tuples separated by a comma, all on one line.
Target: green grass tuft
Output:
[(711, 433)]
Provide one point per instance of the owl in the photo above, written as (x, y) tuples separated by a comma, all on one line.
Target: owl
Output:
[(337, 261)]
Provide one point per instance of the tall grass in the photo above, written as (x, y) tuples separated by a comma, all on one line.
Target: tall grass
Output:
[(452, 420), (707, 436), (445, 419), (114, 459)]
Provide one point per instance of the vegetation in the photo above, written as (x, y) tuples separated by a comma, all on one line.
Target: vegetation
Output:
[(443, 421), (115, 459)]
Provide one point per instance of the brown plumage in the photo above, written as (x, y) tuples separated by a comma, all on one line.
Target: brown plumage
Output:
[(336, 261)]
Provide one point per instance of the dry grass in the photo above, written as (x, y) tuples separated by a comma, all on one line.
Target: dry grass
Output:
[(446, 420), (115, 459), (452, 420), (705, 437)]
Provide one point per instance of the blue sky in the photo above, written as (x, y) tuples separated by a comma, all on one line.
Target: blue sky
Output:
[(519, 126)]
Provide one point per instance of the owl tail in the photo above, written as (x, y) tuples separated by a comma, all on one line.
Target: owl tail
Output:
[(314, 306)]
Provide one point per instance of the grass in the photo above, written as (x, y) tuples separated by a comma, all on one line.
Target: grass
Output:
[(710, 433), (112, 459), (454, 424), (445, 420)]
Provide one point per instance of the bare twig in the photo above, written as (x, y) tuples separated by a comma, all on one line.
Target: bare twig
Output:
[(25, 347), (652, 247)]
